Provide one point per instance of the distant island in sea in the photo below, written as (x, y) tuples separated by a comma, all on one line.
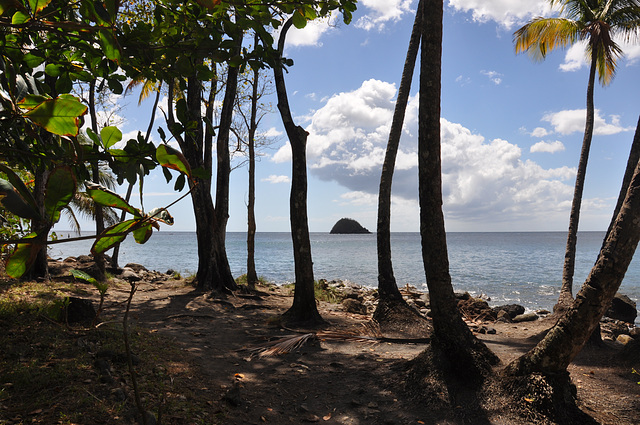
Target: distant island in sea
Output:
[(348, 226)]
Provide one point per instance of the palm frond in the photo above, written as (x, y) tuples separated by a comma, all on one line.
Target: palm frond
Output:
[(542, 35)]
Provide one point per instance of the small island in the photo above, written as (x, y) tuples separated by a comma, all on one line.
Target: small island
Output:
[(348, 226)]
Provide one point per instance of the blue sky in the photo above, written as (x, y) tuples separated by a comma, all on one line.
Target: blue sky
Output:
[(511, 128)]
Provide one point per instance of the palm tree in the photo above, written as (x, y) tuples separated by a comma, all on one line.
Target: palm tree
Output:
[(596, 22)]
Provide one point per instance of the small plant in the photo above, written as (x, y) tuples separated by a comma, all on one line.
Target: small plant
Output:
[(100, 286), (636, 372), (324, 292)]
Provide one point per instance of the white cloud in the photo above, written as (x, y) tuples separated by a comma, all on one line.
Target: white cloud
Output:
[(272, 132), (549, 147), (276, 179), (494, 76), (573, 120), (482, 179), (575, 58), (379, 12), (507, 13), (309, 35), (540, 132)]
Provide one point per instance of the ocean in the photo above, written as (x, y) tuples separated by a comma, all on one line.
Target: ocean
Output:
[(515, 267)]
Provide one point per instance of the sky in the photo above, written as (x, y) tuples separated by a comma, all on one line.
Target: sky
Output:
[(511, 128)]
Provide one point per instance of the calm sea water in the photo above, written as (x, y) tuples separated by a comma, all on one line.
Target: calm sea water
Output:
[(523, 268)]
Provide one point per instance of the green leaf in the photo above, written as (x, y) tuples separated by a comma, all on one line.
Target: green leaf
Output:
[(10, 198), (94, 137), (31, 101), (32, 60), (22, 257), (58, 116), (53, 70), (299, 21), (142, 234), (38, 5), (110, 136), (19, 185), (61, 186), (109, 45), (173, 158), (79, 274), (64, 84), (20, 18), (105, 197), (111, 236)]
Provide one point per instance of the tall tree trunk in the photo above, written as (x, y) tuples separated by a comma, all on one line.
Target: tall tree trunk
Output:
[(566, 291), (564, 341), (95, 175), (213, 272), (252, 276), (387, 287), (304, 307), (451, 334)]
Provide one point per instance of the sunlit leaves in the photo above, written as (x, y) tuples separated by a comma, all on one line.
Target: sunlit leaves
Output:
[(59, 116), (110, 136), (22, 257), (104, 196), (173, 158), (113, 235)]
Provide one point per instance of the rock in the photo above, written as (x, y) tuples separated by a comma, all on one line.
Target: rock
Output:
[(526, 317), (476, 308), (503, 316), (622, 308), (624, 339), (80, 310), (635, 332), (129, 275), (348, 226), (512, 310), (136, 267), (352, 305)]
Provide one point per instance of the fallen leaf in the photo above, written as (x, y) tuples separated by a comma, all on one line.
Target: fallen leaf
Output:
[(327, 417), (239, 376)]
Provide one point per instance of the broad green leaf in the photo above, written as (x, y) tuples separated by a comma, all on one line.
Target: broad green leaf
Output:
[(299, 21), (109, 45), (142, 234), (61, 187), (31, 101), (59, 116), (20, 18), (22, 257), (105, 197), (53, 70), (10, 198), (110, 136), (38, 5), (93, 136), (19, 185), (111, 236), (79, 274), (173, 158), (32, 60)]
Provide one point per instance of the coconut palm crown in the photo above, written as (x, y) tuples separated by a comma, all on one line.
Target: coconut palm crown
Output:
[(595, 21)]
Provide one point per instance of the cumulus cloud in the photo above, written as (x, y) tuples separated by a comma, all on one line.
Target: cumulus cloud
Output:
[(379, 12), (549, 147), (276, 179), (310, 35), (573, 120), (540, 132), (482, 179), (507, 13)]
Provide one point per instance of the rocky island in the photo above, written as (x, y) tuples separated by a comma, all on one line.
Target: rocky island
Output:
[(348, 226)]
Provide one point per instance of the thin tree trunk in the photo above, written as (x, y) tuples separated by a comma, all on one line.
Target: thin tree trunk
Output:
[(252, 277), (387, 287), (40, 268), (564, 341), (566, 291), (95, 175), (304, 307), (451, 334)]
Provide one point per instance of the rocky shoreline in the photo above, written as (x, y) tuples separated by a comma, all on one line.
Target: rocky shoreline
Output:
[(616, 326)]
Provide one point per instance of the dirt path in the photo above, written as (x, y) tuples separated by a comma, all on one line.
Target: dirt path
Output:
[(348, 383)]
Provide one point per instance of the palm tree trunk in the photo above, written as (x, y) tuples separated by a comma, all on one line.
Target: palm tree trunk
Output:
[(566, 291), (451, 334), (387, 287), (565, 340), (304, 307)]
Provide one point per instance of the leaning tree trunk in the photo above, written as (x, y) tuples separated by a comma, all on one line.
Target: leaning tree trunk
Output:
[(566, 291), (387, 287), (95, 175), (304, 309), (391, 306), (451, 335), (564, 341)]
